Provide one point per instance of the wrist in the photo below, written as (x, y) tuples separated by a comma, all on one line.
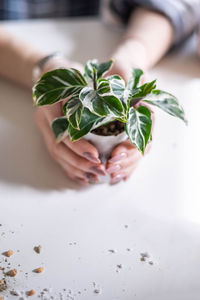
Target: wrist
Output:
[(30, 61), (47, 63)]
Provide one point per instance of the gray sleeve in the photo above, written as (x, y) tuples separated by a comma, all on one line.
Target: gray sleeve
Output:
[(183, 14)]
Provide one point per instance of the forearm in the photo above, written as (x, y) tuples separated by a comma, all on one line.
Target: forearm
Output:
[(17, 59), (147, 39)]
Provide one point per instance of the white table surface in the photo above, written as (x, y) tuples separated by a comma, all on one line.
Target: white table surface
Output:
[(160, 203)]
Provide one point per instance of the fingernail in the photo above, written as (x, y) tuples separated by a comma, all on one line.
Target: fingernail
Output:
[(91, 157), (113, 169), (98, 170), (118, 157), (117, 178), (91, 177)]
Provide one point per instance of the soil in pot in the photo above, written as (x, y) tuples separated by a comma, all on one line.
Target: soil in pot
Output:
[(113, 128)]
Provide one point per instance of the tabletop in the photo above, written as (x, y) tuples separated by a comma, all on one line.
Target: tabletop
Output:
[(134, 240)]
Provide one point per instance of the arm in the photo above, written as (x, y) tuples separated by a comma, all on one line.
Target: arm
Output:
[(17, 59), (148, 37), (79, 159)]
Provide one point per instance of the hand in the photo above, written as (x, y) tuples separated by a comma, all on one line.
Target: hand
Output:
[(124, 160), (78, 159), (125, 157)]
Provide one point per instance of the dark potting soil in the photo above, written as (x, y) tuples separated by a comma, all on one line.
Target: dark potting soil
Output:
[(113, 128)]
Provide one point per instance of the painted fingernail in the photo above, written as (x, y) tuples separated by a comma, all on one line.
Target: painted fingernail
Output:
[(117, 178), (118, 157), (91, 177), (91, 157), (113, 169), (98, 170)]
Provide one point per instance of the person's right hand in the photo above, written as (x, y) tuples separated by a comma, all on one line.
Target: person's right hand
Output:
[(78, 159)]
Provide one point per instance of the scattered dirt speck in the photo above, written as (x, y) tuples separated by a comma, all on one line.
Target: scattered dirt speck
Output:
[(3, 285), (112, 251), (97, 291), (12, 273), (8, 253), (119, 266), (31, 293), (38, 249), (14, 293), (38, 270)]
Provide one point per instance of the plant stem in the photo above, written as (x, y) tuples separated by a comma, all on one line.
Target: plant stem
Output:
[(95, 81)]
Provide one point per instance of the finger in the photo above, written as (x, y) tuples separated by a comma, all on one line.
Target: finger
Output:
[(122, 151), (123, 164), (78, 175), (63, 152), (122, 175), (84, 149), (73, 172)]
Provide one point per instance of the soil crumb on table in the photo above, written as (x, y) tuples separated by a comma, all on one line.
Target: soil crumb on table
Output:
[(97, 291), (8, 253), (38, 270), (112, 251), (31, 293), (12, 273), (14, 293), (3, 285), (38, 249)]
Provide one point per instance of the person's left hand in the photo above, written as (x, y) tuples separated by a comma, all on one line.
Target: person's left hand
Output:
[(125, 157)]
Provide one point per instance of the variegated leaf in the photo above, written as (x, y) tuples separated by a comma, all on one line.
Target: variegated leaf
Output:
[(87, 122), (166, 102), (135, 79), (102, 101), (117, 85), (58, 85), (103, 68), (60, 128), (73, 110), (138, 127), (137, 94), (93, 68)]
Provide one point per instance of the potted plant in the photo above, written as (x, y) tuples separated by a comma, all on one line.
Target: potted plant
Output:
[(102, 109)]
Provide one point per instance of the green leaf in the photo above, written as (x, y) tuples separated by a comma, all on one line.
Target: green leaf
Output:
[(90, 99), (87, 122), (145, 89), (167, 102), (58, 85), (136, 95), (92, 67), (103, 68), (117, 85), (60, 128), (138, 127), (73, 109), (135, 79), (102, 101)]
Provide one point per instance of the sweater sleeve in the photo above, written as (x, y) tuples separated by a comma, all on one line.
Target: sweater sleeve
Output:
[(183, 14)]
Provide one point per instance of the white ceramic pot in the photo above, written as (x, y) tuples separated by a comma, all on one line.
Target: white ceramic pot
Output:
[(105, 146)]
